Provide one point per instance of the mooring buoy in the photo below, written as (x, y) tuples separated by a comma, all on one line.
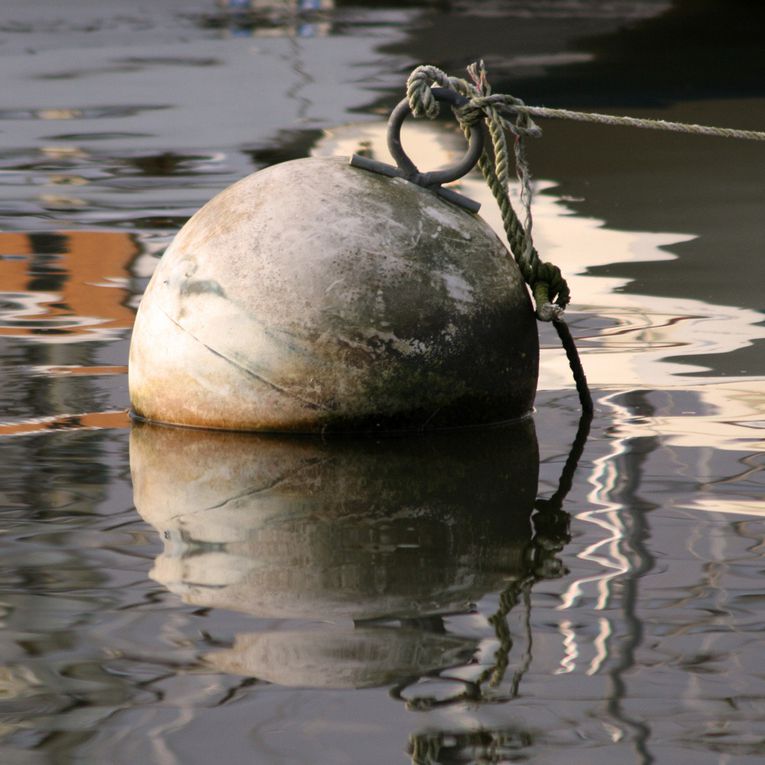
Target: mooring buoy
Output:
[(320, 295)]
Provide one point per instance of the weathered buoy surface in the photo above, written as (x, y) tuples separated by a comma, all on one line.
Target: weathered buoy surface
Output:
[(316, 296)]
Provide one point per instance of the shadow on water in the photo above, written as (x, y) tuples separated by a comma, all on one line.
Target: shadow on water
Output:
[(365, 549)]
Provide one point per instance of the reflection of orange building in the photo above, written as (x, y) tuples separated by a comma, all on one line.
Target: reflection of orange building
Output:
[(65, 284)]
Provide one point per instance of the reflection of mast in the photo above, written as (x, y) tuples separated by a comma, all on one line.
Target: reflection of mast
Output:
[(636, 532), (625, 557), (304, 79), (298, 64)]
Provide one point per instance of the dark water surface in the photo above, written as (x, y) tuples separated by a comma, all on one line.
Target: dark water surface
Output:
[(182, 597)]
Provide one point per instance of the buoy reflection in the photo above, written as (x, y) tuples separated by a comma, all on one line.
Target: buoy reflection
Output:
[(377, 539)]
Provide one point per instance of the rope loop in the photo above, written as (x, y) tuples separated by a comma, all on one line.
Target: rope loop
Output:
[(505, 115), (421, 100), (502, 114)]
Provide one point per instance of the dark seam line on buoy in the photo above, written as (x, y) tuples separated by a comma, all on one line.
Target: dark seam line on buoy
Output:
[(244, 369), (425, 424), (252, 492)]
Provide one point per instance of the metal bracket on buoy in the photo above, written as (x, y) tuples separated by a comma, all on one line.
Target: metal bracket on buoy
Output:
[(408, 170)]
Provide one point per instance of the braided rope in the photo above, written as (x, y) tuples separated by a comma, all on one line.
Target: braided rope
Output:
[(548, 287), (551, 294), (637, 122)]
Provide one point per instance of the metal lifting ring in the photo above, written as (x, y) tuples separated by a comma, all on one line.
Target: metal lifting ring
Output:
[(435, 177), (407, 169)]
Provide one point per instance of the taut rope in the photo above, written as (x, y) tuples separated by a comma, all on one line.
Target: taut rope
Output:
[(505, 114)]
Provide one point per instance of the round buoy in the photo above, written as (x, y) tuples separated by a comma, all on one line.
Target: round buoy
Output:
[(315, 295)]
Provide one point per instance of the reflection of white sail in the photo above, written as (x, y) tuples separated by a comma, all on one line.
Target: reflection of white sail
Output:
[(610, 564), (604, 551)]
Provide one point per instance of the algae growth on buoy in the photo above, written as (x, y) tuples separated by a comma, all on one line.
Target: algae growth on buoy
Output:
[(315, 296)]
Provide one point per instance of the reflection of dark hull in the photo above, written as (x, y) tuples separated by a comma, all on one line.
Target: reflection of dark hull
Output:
[(352, 528)]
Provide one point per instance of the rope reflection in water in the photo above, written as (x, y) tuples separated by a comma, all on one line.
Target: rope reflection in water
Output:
[(381, 540)]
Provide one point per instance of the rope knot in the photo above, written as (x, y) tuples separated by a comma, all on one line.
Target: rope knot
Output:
[(503, 114), (418, 90), (472, 113)]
